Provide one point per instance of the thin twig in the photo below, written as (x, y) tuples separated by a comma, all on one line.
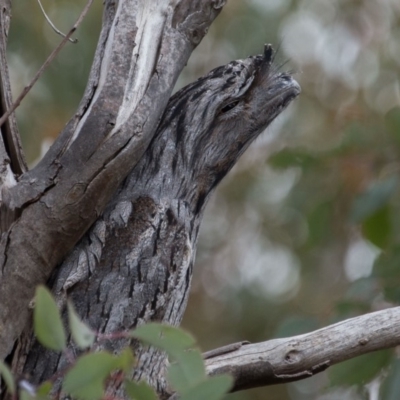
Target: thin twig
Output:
[(52, 25), (46, 64)]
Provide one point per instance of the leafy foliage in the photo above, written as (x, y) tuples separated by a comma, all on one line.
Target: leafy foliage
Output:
[(82, 335), (140, 390), (339, 141), (48, 325), (211, 389), (173, 340), (6, 375), (187, 374), (88, 375), (85, 380), (366, 200)]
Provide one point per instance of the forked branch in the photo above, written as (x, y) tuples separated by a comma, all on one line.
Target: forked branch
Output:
[(135, 264), (142, 48)]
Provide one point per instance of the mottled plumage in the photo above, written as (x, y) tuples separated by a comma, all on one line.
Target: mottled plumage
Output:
[(135, 263)]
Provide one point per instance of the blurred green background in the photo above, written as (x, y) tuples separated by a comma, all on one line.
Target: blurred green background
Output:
[(305, 230)]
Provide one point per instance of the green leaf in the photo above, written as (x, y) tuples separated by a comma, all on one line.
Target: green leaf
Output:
[(48, 325), (82, 335), (359, 370), (125, 360), (213, 388), (140, 391), (375, 198), (85, 380), (43, 390), (187, 372), (7, 377), (189, 367), (168, 338), (377, 227)]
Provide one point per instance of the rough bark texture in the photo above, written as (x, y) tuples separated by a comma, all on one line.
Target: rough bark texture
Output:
[(135, 263), (141, 50), (298, 357), (139, 177)]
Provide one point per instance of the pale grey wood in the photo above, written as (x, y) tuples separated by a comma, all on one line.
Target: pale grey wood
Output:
[(12, 160), (299, 357), (9, 131), (143, 46), (135, 264)]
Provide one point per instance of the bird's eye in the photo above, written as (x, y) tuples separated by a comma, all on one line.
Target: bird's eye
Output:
[(229, 106)]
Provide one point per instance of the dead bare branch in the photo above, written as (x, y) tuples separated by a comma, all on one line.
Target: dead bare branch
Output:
[(52, 25), (46, 63), (299, 357)]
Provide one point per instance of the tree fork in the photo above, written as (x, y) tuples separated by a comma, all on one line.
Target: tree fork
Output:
[(135, 264), (142, 48)]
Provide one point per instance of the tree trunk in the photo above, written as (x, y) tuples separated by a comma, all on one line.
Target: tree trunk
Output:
[(110, 216), (142, 48), (135, 263)]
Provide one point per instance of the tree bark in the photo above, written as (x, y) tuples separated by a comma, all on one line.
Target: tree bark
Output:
[(290, 359), (44, 212), (135, 263), (110, 216)]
